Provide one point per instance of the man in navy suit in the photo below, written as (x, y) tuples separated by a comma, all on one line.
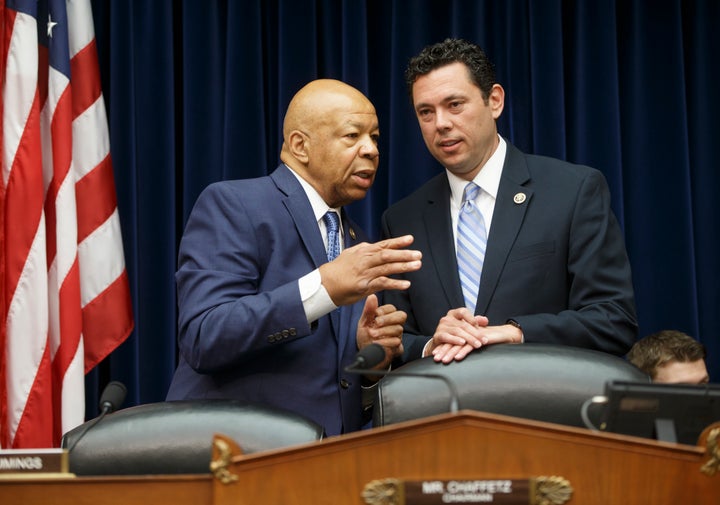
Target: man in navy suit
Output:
[(555, 268), (264, 315)]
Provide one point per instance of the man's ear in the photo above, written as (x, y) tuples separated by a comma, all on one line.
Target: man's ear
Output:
[(496, 100), (298, 144)]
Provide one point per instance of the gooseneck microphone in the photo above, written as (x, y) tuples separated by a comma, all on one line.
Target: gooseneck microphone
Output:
[(373, 354), (111, 398)]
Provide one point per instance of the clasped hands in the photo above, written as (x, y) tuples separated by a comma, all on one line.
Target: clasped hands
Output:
[(460, 332)]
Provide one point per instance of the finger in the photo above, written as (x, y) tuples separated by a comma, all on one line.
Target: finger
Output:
[(391, 318), (439, 352), (464, 314), (371, 305), (385, 309), (448, 338), (457, 333), (470, 332), (463, 352), (380, 332), (472, 339), (386, 283), (450, 354), (456, 353), (381, 270), (369, 309), (396, 242), (389, 342)]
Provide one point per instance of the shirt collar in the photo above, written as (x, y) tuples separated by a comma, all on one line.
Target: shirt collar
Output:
[(488, 178), (317, 203)]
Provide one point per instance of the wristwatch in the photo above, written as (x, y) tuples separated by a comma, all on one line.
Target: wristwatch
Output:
[(514, 323)]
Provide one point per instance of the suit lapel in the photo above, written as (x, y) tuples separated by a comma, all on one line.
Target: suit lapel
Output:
[(438, 225), (512, 203), (300, 210)]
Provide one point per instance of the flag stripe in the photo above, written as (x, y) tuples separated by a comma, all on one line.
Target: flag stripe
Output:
[(99, 259), (85, 91), (34, 424), (70, 319), (94, 191), (107, 310), (57, 164)]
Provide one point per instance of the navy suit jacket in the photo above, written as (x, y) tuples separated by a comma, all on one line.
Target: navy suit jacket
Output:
[(243, 333), (555, 259)]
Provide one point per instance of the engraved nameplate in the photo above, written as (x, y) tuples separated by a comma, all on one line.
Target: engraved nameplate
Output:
[(33, 461), (535, 491)]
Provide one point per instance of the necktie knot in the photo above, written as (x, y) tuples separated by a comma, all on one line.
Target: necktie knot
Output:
[(470, 193), (332, 223)]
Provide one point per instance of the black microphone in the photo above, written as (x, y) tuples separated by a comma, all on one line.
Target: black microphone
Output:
[(369, 357), (111, 398), (373, 354)]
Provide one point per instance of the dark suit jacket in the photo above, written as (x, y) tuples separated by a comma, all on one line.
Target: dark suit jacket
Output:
[(243, 333), (555, 262)]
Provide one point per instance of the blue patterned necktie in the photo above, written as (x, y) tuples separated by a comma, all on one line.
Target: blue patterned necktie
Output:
[(471, 243), (332, 223)]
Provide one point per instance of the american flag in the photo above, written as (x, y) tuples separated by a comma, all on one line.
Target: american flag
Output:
[(64, 292)]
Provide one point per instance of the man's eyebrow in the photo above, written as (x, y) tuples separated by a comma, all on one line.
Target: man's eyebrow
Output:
[(360, 126), (449, 98)]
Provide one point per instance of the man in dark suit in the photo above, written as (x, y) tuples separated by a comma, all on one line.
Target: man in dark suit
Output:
[(555, 267), (265, 312)]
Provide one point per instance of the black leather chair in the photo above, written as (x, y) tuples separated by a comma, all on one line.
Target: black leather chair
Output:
[(543, 382), (176, 437)]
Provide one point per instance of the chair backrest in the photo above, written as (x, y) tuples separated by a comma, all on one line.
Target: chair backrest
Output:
[(544, 382), (176, 437)]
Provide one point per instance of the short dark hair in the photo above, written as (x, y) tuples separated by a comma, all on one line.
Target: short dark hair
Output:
[(480, 68), (659, 348)]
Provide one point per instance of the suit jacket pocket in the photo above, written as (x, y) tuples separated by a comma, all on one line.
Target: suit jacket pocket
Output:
[(532, 250)]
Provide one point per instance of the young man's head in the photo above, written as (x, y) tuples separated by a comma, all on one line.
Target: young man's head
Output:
[(670, 357)]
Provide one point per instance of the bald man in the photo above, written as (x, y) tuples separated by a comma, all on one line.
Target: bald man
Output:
[(268, 311)]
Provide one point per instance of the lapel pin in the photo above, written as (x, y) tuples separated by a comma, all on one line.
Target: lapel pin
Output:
[(519, 198), (352, 233)]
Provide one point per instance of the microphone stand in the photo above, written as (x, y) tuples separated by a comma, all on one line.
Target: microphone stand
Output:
[(454, 396)]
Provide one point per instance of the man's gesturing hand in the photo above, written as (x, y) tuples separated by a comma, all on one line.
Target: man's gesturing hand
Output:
[(381, 325), (366, 268)]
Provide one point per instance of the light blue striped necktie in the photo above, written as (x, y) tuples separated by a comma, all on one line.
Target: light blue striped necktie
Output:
[(471, 243), (332, 223)]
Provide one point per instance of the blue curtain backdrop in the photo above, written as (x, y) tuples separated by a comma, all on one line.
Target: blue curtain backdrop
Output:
[(196, 93)]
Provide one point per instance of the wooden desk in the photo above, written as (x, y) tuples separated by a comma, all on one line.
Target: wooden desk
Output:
[(147, 490), (601, 468)]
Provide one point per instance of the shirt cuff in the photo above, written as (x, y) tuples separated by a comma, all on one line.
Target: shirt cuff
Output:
[(315, 298), (425, 349)]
